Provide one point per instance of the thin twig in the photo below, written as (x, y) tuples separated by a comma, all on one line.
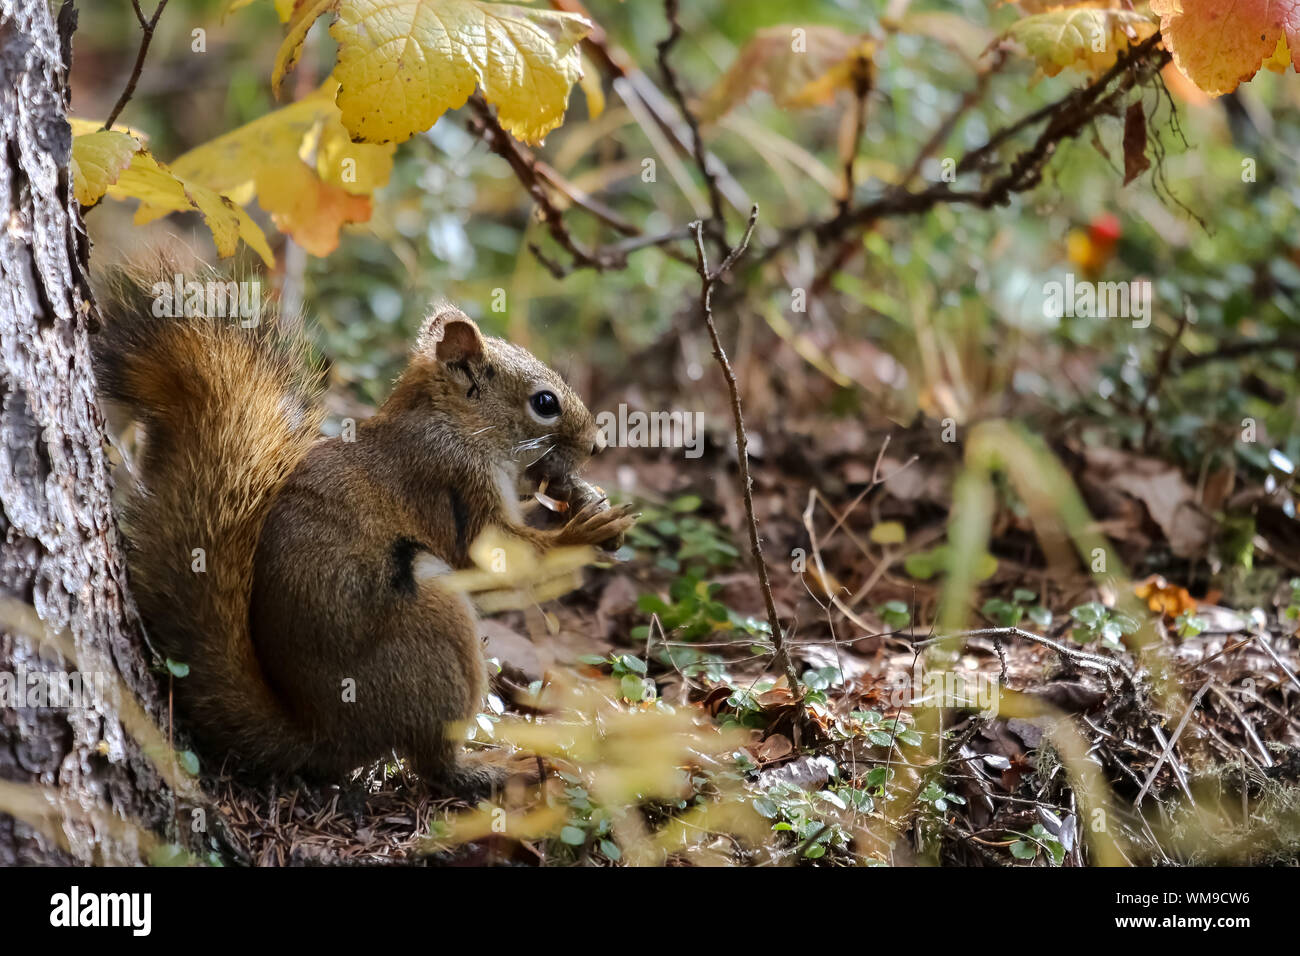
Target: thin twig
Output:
[(1067, 117), (535, 176), (1167, 753), (1079, 658), (862, 82), (148, 27), (1260, 639), (717, 223), (1232, 350), (708, 279), (1245, 724)]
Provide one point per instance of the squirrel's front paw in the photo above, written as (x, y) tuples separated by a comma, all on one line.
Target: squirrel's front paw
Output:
[(597, 524)]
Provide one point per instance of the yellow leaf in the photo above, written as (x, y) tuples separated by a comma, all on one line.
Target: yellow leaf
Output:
[(157, 187), (300, 18), (294, 131), (888, 532), (116, 164), (301, 165), (798, 66), (283, 8), (84, 127), (98, 159), (1088, 38), (1218, 46), (403, 63), (306, 207)]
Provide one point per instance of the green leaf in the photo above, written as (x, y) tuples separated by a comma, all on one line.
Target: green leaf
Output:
[(1090, 614), (632, 687), (633, 664), (922, 565), (1024, 850), (573, 836)]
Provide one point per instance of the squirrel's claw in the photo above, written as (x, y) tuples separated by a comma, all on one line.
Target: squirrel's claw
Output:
[(598, 524)]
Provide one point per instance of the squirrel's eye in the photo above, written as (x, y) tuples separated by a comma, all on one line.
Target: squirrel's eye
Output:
[(545, 404)]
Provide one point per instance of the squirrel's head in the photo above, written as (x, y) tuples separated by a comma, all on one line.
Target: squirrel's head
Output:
[(499, 396)]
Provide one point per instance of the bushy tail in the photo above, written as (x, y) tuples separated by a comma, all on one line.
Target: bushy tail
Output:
[(227, 412)]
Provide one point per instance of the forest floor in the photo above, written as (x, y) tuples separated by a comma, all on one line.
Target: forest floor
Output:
[(1169, 734)]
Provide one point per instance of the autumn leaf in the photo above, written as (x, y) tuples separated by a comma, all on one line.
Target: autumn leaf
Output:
[(797, 66), (300, 20), (157, 187), (525, 61), (118, 165), (1165, 598), (300, 165), (1088, 38), (308, 208), (1217, 46), (1135, 142), (98, 159), (284, 8)]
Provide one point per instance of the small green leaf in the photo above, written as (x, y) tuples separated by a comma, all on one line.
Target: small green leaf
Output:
[(632, 687), (1024, 850)]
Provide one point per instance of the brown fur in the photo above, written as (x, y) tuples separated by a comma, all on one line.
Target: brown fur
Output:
[(318, 550)]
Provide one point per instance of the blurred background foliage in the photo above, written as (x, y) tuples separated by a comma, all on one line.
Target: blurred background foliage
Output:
[(938, 314)]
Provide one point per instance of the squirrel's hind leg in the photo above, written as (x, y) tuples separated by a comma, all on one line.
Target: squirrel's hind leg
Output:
[(448, 771)]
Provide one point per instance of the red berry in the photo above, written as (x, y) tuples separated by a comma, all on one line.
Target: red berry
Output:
[(1105, 228)]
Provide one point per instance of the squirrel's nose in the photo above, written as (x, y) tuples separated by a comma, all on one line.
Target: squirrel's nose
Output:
[(599, 444)]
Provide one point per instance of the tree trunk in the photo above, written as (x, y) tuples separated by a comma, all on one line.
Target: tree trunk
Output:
[(75, 783)]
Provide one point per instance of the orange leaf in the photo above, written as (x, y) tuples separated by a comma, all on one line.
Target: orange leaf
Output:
[(308, 208), (1219, 45), (1165, 598)]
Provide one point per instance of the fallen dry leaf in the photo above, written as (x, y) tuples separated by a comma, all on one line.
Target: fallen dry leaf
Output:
[(1165, 598), (1169, 499)]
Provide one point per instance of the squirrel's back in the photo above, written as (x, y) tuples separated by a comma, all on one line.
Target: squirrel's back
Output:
[(228, 412)]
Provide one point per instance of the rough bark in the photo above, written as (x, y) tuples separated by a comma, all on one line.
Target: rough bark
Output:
[(75, 782)]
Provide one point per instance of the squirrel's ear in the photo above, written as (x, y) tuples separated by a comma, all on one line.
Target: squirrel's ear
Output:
[(449, 335)]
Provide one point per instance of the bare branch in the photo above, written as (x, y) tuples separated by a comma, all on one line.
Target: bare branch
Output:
[(709, 279), (148, 27), (1066, 118), (534, 176), (717, 224)]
